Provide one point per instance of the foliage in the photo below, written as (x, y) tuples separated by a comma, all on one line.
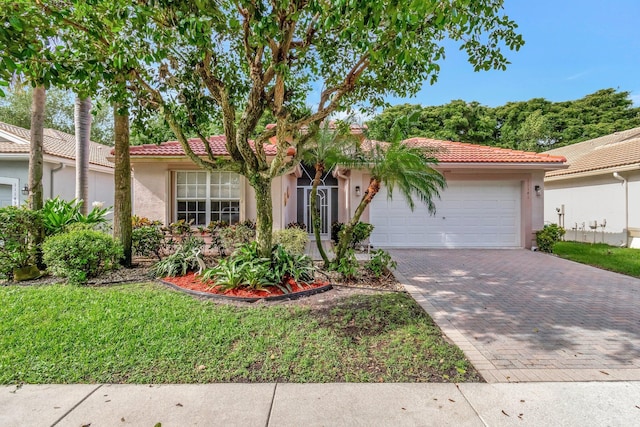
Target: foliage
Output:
[(549, 236), (137, 222), (81, 254), (245, 267), (380, 263), (289, 265), (147, 241), (187, 257), (18, 228), (294, 240), (234, 236), (255, 58), (300, 225), (535, 125), (347, 265), (361, 232), (147, 334), (58, 214), (620, 260), (15, 109), (336, 228), (396, 166)]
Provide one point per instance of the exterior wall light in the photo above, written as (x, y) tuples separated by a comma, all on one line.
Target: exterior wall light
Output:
[(25, 190), (358, 190), (538, 190)]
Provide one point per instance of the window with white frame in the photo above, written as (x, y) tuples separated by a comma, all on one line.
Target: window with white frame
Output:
[(203, 197)]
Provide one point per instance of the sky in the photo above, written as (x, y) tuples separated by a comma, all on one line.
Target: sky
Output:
[(572, 48)]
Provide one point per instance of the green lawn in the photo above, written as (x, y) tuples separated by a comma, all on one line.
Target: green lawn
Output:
[(145, 333), (620, 260)]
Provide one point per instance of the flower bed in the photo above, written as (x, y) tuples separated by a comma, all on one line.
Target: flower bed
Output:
[(191, 284)]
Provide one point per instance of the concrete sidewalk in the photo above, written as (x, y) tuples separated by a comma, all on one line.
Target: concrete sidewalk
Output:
[(473, 404)]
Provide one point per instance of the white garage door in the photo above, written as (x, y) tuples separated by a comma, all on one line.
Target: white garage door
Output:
[(470, 214)]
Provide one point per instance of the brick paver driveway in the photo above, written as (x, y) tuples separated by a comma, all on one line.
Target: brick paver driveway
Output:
[(525, 316)]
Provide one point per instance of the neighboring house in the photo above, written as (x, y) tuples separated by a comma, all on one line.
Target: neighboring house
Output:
[(493, 198), (601, 186), (58, 177)]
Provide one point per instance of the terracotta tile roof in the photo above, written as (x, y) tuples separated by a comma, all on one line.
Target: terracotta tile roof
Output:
[(173, 148), (459, 152), (356, 129), (56, 143), (610, 151)]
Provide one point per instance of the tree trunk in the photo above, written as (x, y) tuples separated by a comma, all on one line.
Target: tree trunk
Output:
[(264, 207), (316, 221), (82, 118), (122, 179), (345, 237), (36, 151), (36, 163)]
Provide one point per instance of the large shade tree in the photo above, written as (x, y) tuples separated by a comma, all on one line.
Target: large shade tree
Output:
[(204, 61)]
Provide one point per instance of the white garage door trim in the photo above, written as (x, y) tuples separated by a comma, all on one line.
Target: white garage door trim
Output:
[(470, 214)]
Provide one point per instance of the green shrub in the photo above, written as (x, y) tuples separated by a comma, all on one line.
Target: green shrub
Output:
[(361, 232), (245, 267), (187, 257), (336, 228), (380, 263), (235, 236), (347, 266), (81, 254), (19, 228), (58, 214), (549, 236), (147, 240), (294, 240)]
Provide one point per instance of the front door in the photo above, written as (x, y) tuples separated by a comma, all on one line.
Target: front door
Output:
[(323, 204), (327, 201)]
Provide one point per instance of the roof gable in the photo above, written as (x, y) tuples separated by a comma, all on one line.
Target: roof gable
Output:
[(610, 151), (56, 143)]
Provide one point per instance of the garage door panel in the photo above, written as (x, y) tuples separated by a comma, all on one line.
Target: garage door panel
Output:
[(469, 214)]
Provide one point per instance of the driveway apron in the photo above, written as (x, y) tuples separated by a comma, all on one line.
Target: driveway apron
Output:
[(526, 316)]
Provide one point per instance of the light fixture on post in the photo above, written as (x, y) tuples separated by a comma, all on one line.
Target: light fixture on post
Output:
[(25, 190), (358, 190), (538, 190)]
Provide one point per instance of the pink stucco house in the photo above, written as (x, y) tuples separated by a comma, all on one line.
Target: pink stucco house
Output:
[(494, 196)]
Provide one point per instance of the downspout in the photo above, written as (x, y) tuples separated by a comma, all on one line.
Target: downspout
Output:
[(348, 195), (54, 170), (617, 176)]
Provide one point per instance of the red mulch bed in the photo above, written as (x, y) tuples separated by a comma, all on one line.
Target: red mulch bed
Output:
[(193, 282)]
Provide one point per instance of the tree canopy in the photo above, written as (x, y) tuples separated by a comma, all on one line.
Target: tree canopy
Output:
[(534, 125), (15, 110), (202, 61)]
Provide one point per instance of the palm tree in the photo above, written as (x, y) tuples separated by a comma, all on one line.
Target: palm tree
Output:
[(82, 118), (36, 148), (394, 164), (122, 178), (329, 149)]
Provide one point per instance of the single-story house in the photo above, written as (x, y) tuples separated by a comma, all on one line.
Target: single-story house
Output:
[(494, 196), (597, 198), (58, 177)]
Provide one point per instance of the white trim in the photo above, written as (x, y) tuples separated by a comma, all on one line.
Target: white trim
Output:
[(15, 188), (594, 172), (12, 137)]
